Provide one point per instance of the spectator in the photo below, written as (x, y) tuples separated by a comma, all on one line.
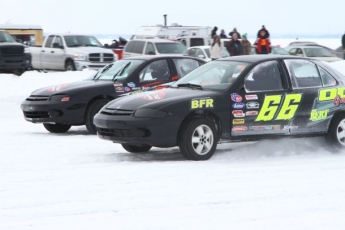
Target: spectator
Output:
[(343, 43), (263, 44), (115, 44), (267, 34), (214, 31), (234, 46), (235, 31), (216, 48), (222, 34), (246, 45)]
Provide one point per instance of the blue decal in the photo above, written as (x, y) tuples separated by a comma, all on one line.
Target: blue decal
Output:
[(238, 106), (235, 97), (131, 84)]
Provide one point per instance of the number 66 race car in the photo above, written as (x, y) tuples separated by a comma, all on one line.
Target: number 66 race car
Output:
[(232, 99)]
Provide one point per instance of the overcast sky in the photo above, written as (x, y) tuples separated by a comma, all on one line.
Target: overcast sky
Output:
[(124, 17)]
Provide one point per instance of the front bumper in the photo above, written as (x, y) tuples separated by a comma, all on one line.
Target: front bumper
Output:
[(80, 65), (159, 132), (54, 112), (15, 62)]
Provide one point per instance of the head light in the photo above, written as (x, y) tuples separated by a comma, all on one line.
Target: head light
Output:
[(80, 57)]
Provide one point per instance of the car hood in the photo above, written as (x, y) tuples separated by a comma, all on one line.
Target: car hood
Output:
[(67, 88), (158, 99), (90, 49), (11, 44)]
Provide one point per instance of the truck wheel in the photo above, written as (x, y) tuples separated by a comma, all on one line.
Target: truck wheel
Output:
[(57, 128), (91, 111), (335, 137), (136, 149), (69, 66), (198, 139)]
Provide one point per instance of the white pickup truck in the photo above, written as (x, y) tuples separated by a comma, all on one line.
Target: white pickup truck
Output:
[(71, 52)]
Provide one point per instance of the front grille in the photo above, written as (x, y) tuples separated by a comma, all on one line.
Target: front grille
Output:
[(100, 57), (13, 61), (41, 114), (117, 112), (115, 132), (37, 98), (12, 50)]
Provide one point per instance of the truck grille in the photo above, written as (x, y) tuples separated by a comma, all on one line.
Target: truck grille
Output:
[(100, 57), (12, 50), (36, 114), (37, 98), (117, 112)]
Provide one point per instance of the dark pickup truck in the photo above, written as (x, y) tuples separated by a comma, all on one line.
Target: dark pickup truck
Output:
[(14, 57)]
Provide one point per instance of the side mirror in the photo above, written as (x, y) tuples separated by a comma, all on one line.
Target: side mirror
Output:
[(201, 56), (151, 53), (57, 45)]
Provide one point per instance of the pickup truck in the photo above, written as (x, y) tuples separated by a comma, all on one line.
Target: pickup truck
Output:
[(14, 57), (71, 52)]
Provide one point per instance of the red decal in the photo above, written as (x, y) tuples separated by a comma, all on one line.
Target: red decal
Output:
[(152, 96), (240, 128), (153, 83)]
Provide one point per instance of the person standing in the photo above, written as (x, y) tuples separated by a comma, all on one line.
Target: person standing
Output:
[(222, 34), (267, 34), (246, 45), (214, 31), (343, 43), (216, 48), (235, 46), (263, 44), (235, 31)]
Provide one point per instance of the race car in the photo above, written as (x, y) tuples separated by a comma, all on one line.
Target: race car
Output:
[(241, 98), (62, 106)]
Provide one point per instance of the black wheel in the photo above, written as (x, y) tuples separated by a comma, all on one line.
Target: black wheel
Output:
[(69, 66), (136, 149), (335, 137), (57, 128), (91, 111), (198, 139)]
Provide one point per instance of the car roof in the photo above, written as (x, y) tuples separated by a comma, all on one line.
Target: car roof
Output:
[(309, 46), (259, 58), (152, 57)]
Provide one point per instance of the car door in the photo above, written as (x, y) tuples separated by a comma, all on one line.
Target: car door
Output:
[(262, 104), (58, 54), (307, 81), (46, 56)]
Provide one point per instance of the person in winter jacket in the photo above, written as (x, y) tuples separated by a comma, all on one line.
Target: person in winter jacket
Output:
[(214, 31), (222, 34), (343, 43), (263, 44), (267, 34), (235, 46), (216, 48), (235, 31), (246, 45)]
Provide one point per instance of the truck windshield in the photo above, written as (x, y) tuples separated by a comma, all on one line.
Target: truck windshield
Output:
[(118, 70), (80, 40), (5, 37)]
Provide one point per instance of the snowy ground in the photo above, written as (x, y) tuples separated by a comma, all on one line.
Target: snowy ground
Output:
[(78, 181)]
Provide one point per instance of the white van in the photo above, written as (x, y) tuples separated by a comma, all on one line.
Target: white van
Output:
[(138, 47)]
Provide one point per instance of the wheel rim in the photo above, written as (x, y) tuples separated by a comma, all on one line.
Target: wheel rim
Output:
[(69, 67), (202, 139), (341, 132)]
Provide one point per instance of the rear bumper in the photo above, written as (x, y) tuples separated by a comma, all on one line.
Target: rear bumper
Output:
[(15, 62)]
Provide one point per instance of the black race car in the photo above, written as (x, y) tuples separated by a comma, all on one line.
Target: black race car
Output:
[(238, 98), (61, 106)]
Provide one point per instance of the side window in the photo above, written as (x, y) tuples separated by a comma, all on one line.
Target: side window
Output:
[(293, 51), (264, 77), (157, 70), (49, 41), (150, 49), (197, 42), (303, 73), (129, 46), (199, 53), (58, 40), (299, 51), (138, 47), (192, 52), (184, 66), (327, 79)]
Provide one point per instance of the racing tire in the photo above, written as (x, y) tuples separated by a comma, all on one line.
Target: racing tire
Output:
[(69, 66), (335, 137), (198, 139), (91, 111), (136, 149), (57, 127)]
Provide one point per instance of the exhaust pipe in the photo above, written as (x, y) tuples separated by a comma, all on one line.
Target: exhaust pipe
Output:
[(165, 20)]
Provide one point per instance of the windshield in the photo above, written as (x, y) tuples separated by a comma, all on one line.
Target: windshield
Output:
[(214, 75), (80, 40), (278, 50), (171, 48), (5, 37), (207, 50), (317, 52), (118, 70)]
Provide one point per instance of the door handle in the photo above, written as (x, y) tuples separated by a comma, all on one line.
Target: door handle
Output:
[(52, 51)]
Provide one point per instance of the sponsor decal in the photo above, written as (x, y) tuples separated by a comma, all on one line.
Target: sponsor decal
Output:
[(235, 97), (286, 127), (318, 115), (238, 113), (338, 100), (238, 105), (239, 128), (251, 97), (127, 89), (57, 88), (238, 121), (152, 95), (252, 105), (136, 88), (337, 95), (264, 127), (252, 113), (200, 103), (119, 89), (131, 84), (118, 84)]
